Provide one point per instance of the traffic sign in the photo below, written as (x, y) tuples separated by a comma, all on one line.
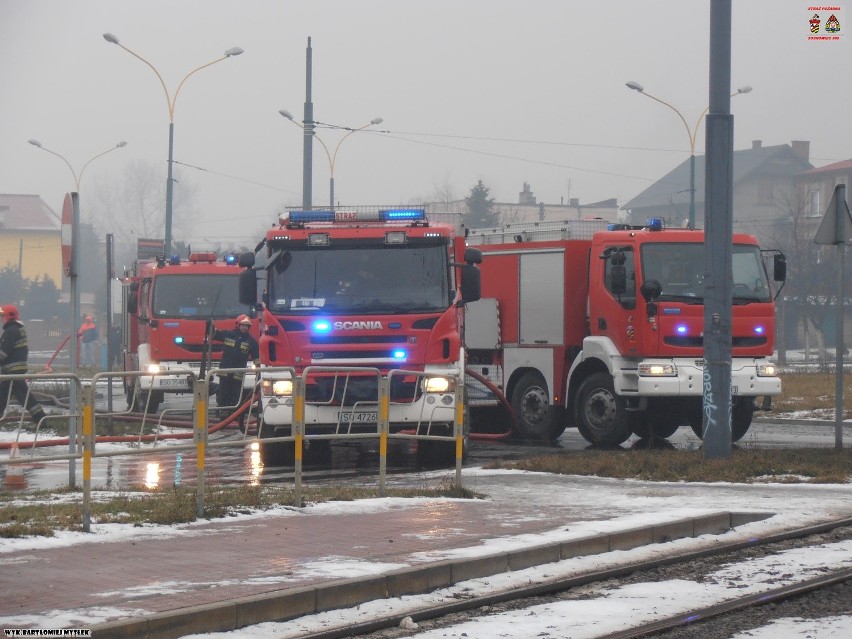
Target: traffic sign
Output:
[(67, 222)]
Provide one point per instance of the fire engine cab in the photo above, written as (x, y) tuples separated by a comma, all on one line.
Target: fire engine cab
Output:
[(169, 306), (352, 295), (601, 327)]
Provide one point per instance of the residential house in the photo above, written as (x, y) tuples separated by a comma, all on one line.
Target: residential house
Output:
[(764, 184), (30, 237)]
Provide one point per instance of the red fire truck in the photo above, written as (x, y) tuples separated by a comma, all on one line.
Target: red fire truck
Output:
[(168, 304), (373, 288), (603, 329)]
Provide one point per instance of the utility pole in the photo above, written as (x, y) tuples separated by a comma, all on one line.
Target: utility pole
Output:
[(308, 126)]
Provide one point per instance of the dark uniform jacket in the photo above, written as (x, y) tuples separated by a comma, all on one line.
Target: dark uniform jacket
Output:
[(239, 348), (13, 349)]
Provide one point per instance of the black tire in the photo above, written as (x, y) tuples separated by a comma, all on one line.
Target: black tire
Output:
[(660, 425), (742, 413), (316, 452), (535, 418), (278, 453), (143, 401), (601, 415), (741, 416)]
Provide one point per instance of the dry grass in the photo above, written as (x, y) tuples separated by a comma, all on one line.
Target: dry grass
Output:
[(43, 513), (810, 392), (749, 465)]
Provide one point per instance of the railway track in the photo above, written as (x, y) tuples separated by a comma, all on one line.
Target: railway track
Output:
[(827, 594)]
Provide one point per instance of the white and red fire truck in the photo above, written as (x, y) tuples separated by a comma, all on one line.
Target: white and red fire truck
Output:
[(603, 329), (168, 308), (374, 288)]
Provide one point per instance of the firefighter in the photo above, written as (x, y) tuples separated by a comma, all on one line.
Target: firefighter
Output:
[(88, 336), (239, 346), (13, 361)]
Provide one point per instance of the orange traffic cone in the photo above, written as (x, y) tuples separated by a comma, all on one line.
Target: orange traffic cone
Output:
[(14, 472)]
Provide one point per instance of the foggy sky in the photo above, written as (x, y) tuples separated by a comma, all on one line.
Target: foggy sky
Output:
[(503, 91)]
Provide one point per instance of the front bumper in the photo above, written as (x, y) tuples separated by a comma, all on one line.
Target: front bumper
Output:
[(689, 379)]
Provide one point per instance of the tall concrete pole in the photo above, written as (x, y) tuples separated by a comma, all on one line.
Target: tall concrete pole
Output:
[(307, 155), (718, 239)]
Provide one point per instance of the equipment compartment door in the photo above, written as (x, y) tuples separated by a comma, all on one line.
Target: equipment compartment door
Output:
[(542, 298)]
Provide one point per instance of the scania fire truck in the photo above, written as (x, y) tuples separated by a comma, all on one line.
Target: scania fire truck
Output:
[(366, 291), (169, 306), (603, 329)]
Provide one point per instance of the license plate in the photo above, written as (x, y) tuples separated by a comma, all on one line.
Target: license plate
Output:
[(357, 417), (174, 382)]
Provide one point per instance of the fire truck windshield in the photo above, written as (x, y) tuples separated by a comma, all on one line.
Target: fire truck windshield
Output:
[(197, 296), (360, 279), (679, 268)]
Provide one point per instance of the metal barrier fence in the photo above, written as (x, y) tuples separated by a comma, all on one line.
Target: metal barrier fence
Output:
[(83, 442)]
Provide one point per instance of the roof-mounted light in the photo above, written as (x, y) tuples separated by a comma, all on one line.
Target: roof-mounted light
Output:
[(391, 215), (174, 260), (231, 258), (304, 217), (655, 224)]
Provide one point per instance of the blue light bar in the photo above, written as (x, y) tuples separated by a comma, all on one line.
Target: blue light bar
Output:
[(322, 326), (301, 217), (390, 215), (655, 224)]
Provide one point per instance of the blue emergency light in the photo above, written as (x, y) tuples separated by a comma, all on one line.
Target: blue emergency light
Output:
[(681, 329), (230, 258), (759, 330), (178, 340), (399, 354), (322, 326), (391, 215), (302, 217), (655, 224)]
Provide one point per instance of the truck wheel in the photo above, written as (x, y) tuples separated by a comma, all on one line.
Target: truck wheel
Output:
[(645, 425), (742, 413), (601, 417), (534, 417), (741, 416), (139, 401), (278, 453)]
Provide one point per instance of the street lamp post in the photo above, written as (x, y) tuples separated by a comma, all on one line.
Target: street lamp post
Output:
[(332, 156), (75, 295), (692, 133), (170, 103)]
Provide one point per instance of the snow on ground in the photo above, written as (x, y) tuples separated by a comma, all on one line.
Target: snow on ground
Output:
[(627, 504)]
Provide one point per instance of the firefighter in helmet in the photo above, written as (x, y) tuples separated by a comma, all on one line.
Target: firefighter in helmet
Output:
[(13, 361), (239, 348)]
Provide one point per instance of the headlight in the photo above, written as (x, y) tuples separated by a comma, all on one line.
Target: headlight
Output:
[(277, 387), (767, 370), (439, 385), (657, 370), (154, 368)]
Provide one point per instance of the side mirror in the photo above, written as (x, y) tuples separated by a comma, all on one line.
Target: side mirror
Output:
[(471, 282), (473, 255), (246, 259), (133, 298), (248, 287), (779, 267), (651, 290), (618, 278)]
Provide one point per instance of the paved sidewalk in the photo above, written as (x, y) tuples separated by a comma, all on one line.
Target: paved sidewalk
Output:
[(227, 573)]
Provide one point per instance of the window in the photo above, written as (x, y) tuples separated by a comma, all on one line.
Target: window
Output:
[(813, 208)]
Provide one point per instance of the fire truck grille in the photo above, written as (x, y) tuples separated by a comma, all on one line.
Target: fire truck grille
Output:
[(199, 348), (343, 390), (359, 339), (698, 342), (353, 355)]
